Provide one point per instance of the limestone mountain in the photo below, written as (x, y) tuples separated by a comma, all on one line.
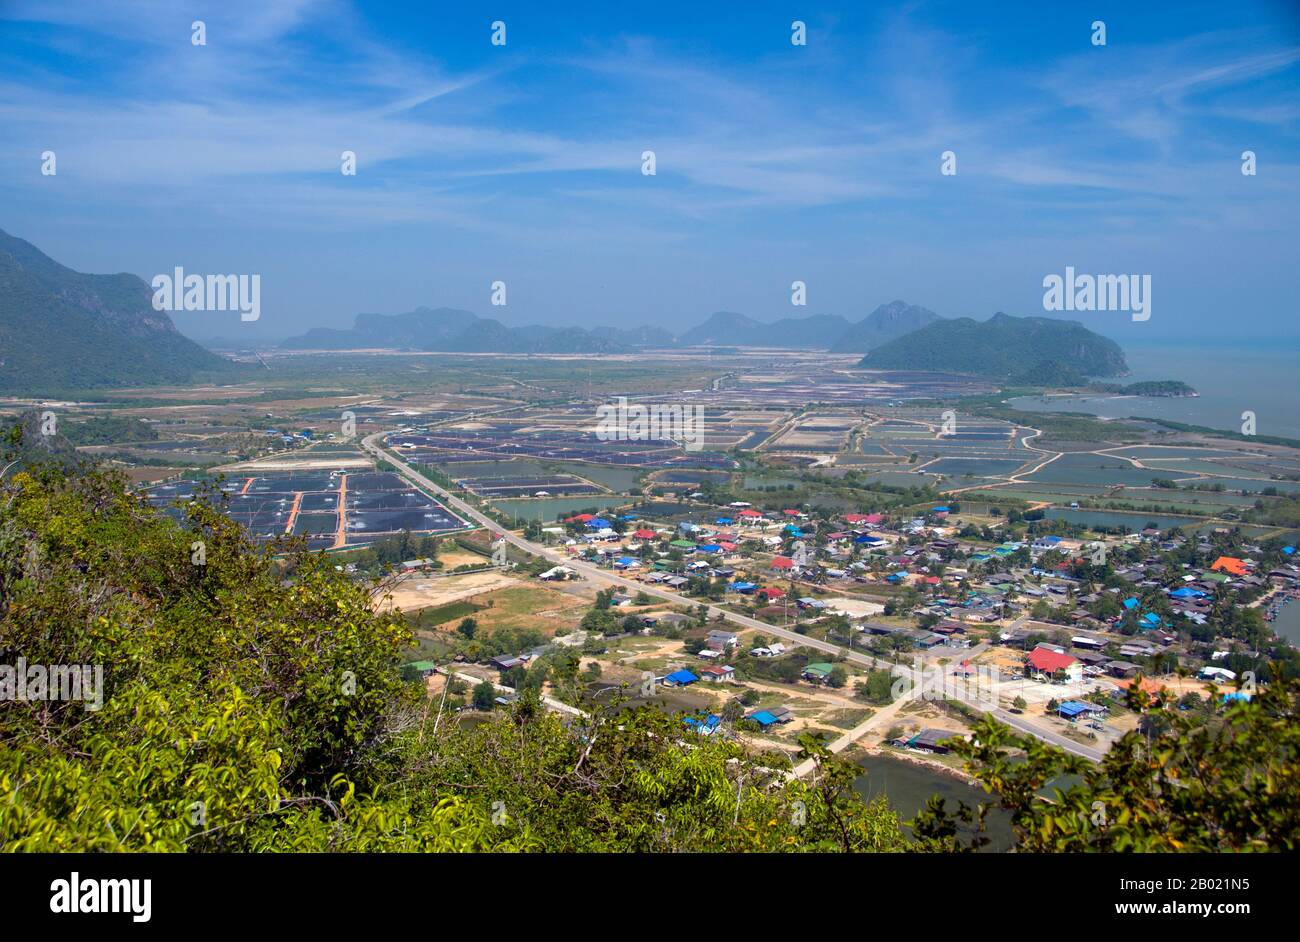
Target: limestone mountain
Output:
[(64, 330), (887, 322), (1001, 347)]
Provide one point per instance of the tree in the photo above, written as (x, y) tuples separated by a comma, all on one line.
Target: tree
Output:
[(877, 688), (599, 620), (467, 627), (838, 676), (485, 695), (1190, 784), (247, 712)]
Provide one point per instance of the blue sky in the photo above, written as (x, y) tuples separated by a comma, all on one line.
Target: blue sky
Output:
[(522, 163)]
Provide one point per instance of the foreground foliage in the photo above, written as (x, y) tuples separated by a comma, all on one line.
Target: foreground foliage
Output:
[(244, 713), (1183, 781)]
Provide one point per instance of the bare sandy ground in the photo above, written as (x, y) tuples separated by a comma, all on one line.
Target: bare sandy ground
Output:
[(450, 559), (425, 591), (855, 608)]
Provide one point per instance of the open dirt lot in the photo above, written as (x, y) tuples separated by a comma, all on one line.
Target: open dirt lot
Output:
[(450, 559), (854, 608), (423, 591), (529, 606)]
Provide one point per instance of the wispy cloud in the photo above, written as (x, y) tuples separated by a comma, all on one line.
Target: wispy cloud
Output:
[(757, 144)]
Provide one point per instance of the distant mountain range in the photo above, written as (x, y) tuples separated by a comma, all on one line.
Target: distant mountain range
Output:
[(64, 330), (818, 332), (61, 330), (1030, 350), (455, 331), (887, 322)]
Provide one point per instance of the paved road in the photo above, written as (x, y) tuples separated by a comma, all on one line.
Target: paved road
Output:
[(1019, 723)]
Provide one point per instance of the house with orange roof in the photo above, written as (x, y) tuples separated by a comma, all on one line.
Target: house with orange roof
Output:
[(1230, 565)]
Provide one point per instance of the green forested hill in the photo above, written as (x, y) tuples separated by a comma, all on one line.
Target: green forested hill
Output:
[(1003, 346), (61, 329)]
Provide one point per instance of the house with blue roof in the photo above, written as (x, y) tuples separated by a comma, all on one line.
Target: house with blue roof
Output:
[(763, 718), (1130, 603), (709, 548), (1074, 709), (704, 727), (681, 678), (597, 523)]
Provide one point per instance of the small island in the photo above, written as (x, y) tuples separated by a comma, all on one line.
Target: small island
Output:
[(1161, 388)]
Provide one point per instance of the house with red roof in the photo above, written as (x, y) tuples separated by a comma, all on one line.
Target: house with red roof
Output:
[(784, 563), (771, 593), (1054, 664), (645, 534)]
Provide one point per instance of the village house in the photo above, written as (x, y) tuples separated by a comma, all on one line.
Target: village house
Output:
[(718, 640), (719, 674), (1055, 665)]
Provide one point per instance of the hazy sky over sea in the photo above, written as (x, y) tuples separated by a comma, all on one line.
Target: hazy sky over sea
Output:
[(522, 162)]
